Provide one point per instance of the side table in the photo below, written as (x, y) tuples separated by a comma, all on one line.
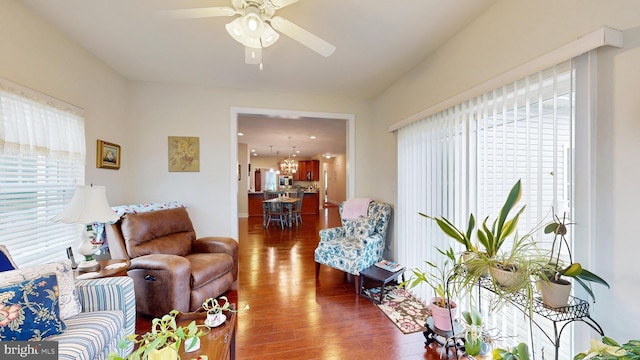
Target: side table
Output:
[(219, 343), (378, 275), (111, 267)]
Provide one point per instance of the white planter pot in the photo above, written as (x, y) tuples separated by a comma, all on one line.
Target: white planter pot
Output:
[(555, 294), (442, 316), (473, 263), (507, 278)]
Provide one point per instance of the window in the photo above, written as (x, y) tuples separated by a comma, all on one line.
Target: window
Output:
[(466, 158), (42, 157)]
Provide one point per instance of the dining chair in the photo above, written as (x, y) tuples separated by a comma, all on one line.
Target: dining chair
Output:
[(296, 211), (270, 194), (276, 213)]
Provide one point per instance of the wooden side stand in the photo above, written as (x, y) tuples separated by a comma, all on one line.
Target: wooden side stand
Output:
[(218, 343), (378, 275), (108, 268)]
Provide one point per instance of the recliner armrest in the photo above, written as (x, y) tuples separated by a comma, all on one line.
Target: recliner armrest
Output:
[(225, 245), (165, 279), (173, 263), (331, 233), (214, 245)]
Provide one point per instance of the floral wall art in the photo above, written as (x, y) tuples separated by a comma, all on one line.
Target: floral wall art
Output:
[(184, 154)]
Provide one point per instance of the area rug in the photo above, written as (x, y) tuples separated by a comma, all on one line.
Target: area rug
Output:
[(404, 310)]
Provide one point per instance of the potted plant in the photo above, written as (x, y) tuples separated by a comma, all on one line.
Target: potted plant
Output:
[(554, 288), (163, 340), (518, 352), (214, 309), (443, 308), (492, 238), (478, 340), (609, 349)]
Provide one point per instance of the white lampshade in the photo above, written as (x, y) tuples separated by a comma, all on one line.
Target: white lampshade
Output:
[(88, 205)]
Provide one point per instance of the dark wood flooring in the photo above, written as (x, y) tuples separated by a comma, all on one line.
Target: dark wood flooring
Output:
[(292, 315)]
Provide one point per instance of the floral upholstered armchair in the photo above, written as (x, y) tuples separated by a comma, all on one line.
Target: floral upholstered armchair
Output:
[(358, 244)]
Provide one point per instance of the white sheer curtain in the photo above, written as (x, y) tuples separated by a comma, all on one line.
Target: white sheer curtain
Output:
[(42, 157), (467, 158)]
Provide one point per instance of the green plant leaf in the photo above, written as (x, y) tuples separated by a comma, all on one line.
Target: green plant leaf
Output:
[(589, 276), (512, 199), (470, 226), (609, 341), (523, 351), (586, 287), (551, 228), (498, 354)]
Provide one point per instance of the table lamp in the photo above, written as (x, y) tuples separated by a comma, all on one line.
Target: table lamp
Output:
[(88, 206)]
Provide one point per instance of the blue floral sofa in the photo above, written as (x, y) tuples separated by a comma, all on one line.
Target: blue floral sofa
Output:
[(45, 303), (358, 244)]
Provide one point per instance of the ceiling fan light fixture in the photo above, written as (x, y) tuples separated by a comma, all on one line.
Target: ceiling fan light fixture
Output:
[(269, 36), (252, 24), (252, 55), (236, 30)]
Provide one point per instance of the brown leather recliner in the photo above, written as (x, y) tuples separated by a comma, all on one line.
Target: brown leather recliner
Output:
[(170, 267)]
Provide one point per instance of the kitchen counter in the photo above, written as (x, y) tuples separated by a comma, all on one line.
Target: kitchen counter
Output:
[(310, 203)]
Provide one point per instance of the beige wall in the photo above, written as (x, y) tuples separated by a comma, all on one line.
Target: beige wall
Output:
[(336, 173), (37, 56), (512, 33)]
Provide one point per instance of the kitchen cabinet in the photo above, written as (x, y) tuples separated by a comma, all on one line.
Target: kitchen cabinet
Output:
[(310, 204), (309, 170), (302, 170)]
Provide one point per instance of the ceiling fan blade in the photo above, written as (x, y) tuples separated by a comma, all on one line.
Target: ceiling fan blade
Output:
[(198, 12), (302, 36), (279, 4)]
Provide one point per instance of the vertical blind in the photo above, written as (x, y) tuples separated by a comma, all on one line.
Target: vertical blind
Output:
[(42, 157), (466, 159)]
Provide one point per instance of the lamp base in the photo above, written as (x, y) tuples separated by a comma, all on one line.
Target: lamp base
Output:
[(88, 266)]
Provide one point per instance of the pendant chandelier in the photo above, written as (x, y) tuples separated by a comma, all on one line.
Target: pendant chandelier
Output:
[(289, 166)]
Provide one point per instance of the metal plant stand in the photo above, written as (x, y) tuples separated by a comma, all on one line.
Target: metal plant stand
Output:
[(576, 310)]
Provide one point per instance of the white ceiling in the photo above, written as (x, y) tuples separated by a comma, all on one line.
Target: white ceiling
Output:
[(377, 42), (268, 135)]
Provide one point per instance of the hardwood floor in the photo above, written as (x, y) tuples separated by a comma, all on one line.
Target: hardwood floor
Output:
[(294, 317)]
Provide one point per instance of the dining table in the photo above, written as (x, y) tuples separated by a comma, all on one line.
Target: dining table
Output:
[(287, 202)]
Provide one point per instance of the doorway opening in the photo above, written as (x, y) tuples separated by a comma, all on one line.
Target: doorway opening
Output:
[(238, 195)]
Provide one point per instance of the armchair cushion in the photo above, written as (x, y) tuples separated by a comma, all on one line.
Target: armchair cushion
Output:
[(360, 228), (68, 296), (29, 309), (158, 232), (6, 262), (90, 335)]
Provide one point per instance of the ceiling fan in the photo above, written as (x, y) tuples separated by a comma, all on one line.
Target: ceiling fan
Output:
[(255, 27)]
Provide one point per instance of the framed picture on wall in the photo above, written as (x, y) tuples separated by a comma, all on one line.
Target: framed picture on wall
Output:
[(184, 154), (108, 155)]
